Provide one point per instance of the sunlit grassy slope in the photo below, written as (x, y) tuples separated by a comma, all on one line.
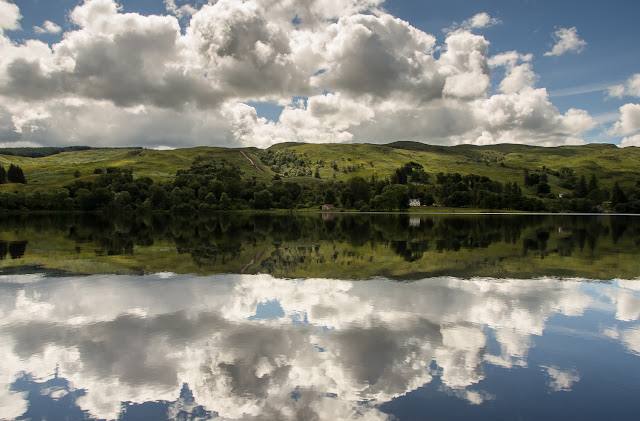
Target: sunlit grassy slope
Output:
[(58, 170), (499, 162), (504, 162)]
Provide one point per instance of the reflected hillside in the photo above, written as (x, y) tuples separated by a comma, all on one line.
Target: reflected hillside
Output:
[(344, 246)]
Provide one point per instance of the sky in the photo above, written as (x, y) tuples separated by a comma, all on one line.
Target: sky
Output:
[(178, 73)]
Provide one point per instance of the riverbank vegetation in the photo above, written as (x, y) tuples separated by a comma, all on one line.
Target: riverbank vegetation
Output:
[(312, 177)]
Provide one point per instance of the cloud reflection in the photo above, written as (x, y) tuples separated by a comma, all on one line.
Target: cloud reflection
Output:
[(561, 380), (340, 349)]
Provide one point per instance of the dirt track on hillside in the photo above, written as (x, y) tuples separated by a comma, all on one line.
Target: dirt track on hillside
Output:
[(251, 160)]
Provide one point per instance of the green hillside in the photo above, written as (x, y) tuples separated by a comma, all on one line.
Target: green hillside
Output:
[(505, 162), (59, 169), (588, 178)]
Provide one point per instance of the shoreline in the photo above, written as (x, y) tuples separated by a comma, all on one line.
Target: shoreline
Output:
[(444, 211)]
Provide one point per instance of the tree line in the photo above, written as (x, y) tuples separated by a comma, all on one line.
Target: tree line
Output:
[(13, 175), (209, 186), (42, 151)]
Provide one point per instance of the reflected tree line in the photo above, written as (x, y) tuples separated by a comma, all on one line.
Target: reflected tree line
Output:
[(279, 244), (14, 249)]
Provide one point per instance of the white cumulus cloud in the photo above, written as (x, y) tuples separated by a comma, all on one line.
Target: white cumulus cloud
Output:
[(630, 88), (362, 74), (47, 27), (630, 141), (477, 21), (9, 16), (629, 121), (519, 72), (567, 41), (180, 11)]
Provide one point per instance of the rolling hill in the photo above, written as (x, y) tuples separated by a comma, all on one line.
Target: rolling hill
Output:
[(301, 162)]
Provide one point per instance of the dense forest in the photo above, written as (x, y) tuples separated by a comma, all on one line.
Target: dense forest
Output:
[(210, 185), (40, 152)]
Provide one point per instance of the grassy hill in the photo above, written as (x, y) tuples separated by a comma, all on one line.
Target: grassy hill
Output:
[(504, 162), (59, 169)]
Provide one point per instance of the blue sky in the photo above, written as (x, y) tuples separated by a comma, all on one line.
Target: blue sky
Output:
[(577, 79)]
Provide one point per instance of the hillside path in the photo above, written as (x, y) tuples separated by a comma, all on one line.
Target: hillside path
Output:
[(251, 160), (253, 261)]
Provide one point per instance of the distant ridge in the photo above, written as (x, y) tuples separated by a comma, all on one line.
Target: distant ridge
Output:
[(41, 152), (334, 162), (511, 147)]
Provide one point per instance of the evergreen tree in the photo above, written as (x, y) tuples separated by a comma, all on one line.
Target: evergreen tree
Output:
[(581, 189), (3, 175), (530, 179), (617, 195), (593, 183), (330, 196), (360, 189), (15, 175)]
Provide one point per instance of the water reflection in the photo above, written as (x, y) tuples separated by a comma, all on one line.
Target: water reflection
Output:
[(15, 249), (354, 246), (255, 346)]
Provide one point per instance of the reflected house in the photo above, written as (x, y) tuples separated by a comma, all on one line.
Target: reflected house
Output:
[(414, 222), (328, 216)]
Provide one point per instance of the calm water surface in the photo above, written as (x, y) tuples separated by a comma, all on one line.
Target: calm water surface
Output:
[(319, 317)]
